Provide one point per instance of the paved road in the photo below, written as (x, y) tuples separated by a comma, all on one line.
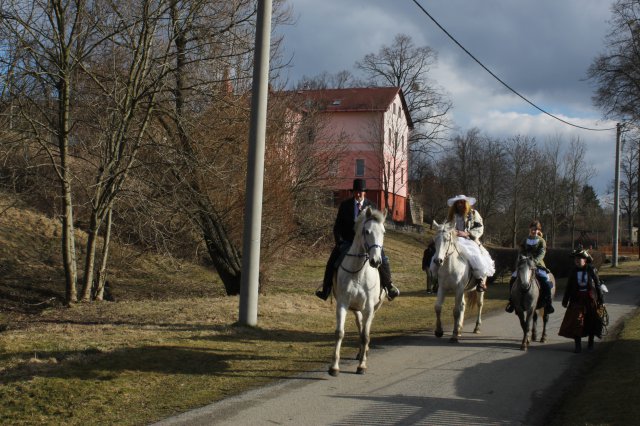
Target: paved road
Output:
[(422, 380)]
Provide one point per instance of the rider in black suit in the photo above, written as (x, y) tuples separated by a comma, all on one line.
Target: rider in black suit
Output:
[(343, 234)]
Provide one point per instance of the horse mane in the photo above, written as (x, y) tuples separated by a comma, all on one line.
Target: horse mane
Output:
[(376, 215)]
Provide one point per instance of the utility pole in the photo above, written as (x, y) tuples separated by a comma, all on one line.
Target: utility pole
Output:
[(255, 170), (616, 200)]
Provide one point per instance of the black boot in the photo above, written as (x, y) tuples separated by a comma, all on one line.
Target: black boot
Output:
[(323, 293), (510, 308), (392, 291), (385, 279), (329, 270), (578, 345), (546, 293)]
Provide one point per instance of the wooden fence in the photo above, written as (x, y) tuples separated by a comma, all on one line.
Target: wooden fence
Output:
[(622, 250)]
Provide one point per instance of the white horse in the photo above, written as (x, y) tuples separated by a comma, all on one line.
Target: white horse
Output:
[(454, 274), (357, 284), (525, 296)]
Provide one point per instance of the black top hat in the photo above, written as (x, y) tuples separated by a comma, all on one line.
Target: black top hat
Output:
[(359, 185)]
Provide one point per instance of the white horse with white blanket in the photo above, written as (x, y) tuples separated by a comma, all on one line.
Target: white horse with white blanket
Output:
[(357, 285), (454, 275)]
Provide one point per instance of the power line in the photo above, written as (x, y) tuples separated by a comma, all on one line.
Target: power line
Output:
[(501, 81)]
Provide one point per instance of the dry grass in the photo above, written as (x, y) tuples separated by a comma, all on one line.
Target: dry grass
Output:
[(605, 391), (170, 342)]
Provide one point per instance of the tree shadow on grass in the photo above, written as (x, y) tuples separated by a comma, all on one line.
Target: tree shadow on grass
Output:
[(171, 360)]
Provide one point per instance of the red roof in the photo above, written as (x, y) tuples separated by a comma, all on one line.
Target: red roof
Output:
[(354, 99)]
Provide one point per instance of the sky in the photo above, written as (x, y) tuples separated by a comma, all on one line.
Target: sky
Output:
[(541, 48)]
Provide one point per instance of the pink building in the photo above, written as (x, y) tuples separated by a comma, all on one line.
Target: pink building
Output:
[(372, 125)]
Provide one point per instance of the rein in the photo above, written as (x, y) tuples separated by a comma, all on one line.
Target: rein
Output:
[(450, 243), (367, 249), (530, 282)]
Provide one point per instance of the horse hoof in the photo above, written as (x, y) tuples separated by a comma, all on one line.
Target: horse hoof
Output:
[(523, 348), (476, 331), (544, 339), (334, 372), (361, 370), (439, 333), (454, 340)]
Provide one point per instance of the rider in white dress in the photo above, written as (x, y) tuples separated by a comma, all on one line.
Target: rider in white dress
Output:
[(469, 228)]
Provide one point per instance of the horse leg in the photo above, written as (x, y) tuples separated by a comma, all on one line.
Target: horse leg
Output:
[(458, 318), (364, 341), (534, 327), (438, 308), (523, 325), (545, 319), (480, 304), (341, 313), (525, 330), (358, 316)]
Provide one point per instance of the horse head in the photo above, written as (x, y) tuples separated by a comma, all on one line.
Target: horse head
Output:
[(525, 269), (444, 241), (370, 226)]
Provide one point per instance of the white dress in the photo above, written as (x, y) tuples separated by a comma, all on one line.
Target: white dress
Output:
[(482, 265), (478, 257)]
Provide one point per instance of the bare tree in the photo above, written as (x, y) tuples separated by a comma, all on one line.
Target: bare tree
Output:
[(629, 182), (554, 189), (519, 152), (576, 174), (51, 38), (126, 77), (406, 66), (617, 72), (389, 143), (326, 80), (486, 173)]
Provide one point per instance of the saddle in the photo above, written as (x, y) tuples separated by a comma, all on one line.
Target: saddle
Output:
[(344, 249)]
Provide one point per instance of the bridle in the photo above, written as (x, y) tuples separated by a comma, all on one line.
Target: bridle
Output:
[(531, 280), (450, 242), (367, 249)]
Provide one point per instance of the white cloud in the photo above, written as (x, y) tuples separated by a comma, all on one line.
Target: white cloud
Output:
[(540, 48)]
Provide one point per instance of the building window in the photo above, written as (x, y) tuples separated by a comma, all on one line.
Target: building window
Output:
[(359, 167), (333, 167), (394, 109), (402, 176)]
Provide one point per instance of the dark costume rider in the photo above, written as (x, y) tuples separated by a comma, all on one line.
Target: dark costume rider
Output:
[(344, 233)]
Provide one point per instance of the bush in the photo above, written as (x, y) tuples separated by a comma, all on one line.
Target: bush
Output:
[(558, 260)]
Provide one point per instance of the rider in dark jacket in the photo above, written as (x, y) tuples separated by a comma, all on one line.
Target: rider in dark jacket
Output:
[(343, 234)]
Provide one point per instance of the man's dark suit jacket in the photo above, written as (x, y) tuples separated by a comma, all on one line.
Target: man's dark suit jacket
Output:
[(345, 221)]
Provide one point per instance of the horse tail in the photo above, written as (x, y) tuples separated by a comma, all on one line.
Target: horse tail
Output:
[(471, 298)]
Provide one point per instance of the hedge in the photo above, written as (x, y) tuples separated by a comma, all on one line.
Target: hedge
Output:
[(559, 261)]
